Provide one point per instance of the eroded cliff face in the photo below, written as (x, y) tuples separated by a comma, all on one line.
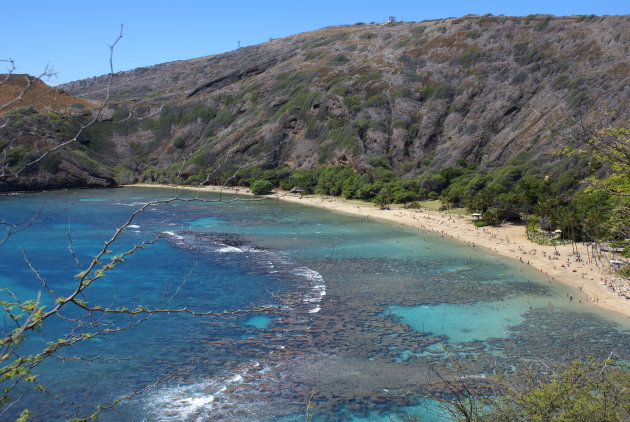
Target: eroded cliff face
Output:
[(420, 96)]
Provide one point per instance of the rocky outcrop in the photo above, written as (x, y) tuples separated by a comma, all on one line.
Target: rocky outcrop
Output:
[(69, 173)]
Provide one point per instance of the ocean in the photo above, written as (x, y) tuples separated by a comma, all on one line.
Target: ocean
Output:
[(366, 317)]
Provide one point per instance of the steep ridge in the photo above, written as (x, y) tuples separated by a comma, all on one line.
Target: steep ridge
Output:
[(417, 95), (19, 90), (34, 119)]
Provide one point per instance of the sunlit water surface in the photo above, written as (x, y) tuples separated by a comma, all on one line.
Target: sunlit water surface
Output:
[(365, 311)]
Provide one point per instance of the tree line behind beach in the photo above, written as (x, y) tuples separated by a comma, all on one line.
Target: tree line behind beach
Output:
[(583, 196)]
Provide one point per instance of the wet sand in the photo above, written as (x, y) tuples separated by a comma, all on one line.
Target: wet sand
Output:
[(593, 279)]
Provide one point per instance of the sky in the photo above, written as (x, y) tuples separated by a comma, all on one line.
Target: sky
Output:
[(73, 37)]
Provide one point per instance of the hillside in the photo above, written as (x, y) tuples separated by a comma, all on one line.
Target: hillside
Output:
[(18, 91), (34, 119), (413, 96)]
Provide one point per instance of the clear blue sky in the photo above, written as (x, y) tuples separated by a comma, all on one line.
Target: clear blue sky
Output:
[(73, 36)]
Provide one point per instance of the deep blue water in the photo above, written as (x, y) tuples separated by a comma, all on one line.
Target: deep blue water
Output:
[(363, 311)]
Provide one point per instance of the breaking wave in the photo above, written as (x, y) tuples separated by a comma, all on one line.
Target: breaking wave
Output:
[(219, 398), (267, 261)]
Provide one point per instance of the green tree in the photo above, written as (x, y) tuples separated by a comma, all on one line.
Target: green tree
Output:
[(384, 198), (351, 186), (303, 178), (608, 154), (608, 151), (261, 187)]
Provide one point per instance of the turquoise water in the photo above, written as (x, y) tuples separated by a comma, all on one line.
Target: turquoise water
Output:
[(363, 312), (462, 323), (259, 321)]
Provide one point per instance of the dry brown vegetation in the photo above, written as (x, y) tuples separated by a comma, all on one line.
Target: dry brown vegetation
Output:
[(39, 95)]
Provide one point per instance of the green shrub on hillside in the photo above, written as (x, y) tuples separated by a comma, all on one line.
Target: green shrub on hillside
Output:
[(542, 25), (368, 77), (353, 103), (367, 36), (301, 100), (314, 54), (401, 124), (530, 18), (519, 78), (417, 30), (444, 91), (338, 60), (470, 57), (525, 54), (586, 18), (341, 90), (82, 158), (560, 82), (378, 100), (427, 91), (326, 40), (402, 43), (16, 156), (577, 97), (23, 111), (224, 118), (286, 81), (474, 34)]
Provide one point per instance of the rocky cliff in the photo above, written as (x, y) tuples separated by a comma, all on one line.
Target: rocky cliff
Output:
[(417, 95)]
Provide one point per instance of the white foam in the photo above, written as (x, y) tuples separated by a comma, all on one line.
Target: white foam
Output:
[(235, 378), (196, 402), (228, 249), (176, 236), (133, 226), (273, 263), (317, 289)]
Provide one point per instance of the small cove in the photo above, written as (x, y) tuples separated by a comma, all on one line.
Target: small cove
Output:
[(363, 308)]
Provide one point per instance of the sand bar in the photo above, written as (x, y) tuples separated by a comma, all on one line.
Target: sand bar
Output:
[(593, 280)]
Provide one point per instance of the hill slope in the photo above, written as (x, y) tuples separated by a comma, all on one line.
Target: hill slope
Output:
[(35, 119), (415, 96)]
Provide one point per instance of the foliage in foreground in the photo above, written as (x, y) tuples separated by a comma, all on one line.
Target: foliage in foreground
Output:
[(587, 391), (581, 391)]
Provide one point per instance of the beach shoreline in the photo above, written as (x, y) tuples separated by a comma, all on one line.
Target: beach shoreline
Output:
[(591, 280)]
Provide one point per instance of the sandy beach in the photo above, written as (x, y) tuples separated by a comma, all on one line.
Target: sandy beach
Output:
[(593, 280)]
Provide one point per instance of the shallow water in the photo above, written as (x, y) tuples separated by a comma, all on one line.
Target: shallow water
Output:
[(364, 311)]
